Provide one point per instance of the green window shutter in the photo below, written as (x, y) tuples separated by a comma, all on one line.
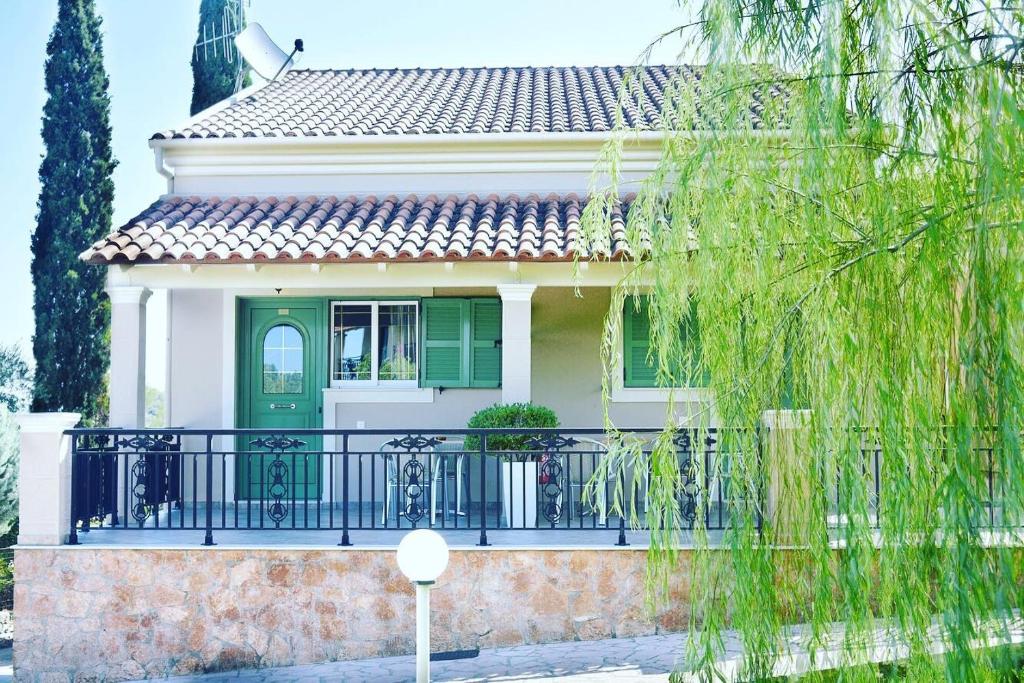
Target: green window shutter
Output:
[(791, 398), (485, 351), (444, 337), (639, 369), (636, 335), (690, 337)]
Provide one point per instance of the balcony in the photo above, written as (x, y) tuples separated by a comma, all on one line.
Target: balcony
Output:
[(555, 487), (365, 487)]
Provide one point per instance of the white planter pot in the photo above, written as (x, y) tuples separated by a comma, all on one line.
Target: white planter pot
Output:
[(519, 494)]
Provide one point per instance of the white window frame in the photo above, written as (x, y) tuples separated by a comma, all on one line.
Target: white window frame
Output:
[(375, 382)]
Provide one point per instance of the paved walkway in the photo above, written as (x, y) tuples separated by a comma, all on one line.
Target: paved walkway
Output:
[(622, 660)]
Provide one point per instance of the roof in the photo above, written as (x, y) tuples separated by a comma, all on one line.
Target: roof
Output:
[(438, 101), (329, 229)]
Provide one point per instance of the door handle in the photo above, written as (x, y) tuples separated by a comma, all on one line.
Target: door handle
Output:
[(282, 406)]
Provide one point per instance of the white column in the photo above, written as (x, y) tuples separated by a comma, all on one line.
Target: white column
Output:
[(423, 631), (44, 478), (516, 322), (128, 356)]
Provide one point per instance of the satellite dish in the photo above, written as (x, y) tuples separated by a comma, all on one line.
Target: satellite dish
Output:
[(263, 54)]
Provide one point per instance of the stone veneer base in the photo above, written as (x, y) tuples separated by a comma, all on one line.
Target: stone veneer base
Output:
[(111, 614)]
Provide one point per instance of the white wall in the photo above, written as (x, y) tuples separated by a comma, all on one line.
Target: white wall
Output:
[(566, 374), (443, 164), (195, 382), (567, 333), (195, 373)]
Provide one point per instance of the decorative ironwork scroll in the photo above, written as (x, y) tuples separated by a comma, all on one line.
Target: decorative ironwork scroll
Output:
[(140, 480), (551, 489), (277, 443), (414, 442), (147, 442), (279, 474), (550, 443), (277, 489), (689, 492), (413, 473)]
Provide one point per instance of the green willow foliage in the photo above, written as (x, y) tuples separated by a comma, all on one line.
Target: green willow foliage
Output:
[(855, 249)]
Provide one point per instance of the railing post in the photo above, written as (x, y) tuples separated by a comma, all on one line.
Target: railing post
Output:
[(622, 513), (76, 468), (789, 486), (111, 460), (208, 540), (483, 489), (344, 491), (761, 478)]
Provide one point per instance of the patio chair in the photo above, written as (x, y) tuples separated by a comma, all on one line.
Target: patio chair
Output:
[(444, 472), (582, 460), (441, 472), (391, 483)]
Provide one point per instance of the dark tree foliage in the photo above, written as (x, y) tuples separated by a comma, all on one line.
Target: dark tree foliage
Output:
[(213, 75), (15, 379), (72, 334)]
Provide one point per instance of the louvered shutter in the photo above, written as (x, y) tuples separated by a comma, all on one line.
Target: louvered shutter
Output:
[(444, 336), (691, 341), (485, 351), (636, 334)]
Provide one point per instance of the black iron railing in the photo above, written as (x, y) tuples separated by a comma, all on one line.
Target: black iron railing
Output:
[(985, 485), (356, 480)]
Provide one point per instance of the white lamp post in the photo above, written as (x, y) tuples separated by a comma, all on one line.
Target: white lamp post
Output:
[(422, 556)]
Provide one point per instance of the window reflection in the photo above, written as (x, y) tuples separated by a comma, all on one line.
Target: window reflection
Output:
[(396, 336), (282, 360), (352, 342)]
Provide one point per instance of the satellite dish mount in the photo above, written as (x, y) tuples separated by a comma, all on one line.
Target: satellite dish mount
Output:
[(263, 54)]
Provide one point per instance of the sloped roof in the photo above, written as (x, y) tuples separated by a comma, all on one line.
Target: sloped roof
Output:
[(448, 101), (332, 229)]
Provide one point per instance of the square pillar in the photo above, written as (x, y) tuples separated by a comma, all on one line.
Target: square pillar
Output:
[(44, 478), (789, 479), (128, 356), (516, 322)]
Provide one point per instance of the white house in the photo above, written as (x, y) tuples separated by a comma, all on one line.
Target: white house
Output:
[(356, 262), (389, 249), (416, 228)]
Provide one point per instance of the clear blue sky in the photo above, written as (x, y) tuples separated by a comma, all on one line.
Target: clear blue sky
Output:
[(147, 47)]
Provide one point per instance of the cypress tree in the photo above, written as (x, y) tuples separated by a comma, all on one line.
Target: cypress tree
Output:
[(213, 74), (72, 314)]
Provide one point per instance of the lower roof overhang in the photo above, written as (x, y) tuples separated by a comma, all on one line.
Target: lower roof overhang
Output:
[(333, 229)]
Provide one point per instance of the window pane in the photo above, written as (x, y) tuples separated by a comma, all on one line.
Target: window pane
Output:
[(352, 329), (282, 360), (396, 341)]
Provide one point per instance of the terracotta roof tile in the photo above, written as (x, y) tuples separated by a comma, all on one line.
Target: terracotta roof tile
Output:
[(463, 100), (328, 229)]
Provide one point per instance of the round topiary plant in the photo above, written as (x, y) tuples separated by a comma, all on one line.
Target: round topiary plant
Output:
[(510, 416)]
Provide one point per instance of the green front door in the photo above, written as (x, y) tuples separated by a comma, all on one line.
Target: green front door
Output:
[(281, 364)]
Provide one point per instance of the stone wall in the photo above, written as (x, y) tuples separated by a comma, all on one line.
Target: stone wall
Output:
[(115, 614)]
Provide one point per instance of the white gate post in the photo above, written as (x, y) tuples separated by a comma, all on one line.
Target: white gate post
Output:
[(44, 478)]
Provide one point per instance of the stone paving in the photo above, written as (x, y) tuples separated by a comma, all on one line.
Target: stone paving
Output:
[(6, 668), (622, 660)]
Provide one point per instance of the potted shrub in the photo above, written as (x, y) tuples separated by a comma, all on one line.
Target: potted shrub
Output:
[(519, 462)]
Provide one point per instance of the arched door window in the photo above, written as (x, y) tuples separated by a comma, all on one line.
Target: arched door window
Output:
[(282, 360)]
